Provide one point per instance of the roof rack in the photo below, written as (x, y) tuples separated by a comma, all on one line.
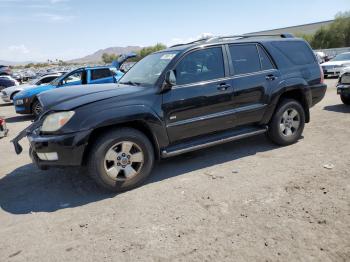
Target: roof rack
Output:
[(215, 38)]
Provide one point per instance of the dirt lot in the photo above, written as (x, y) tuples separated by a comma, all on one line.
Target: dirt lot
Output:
[(243, 201)]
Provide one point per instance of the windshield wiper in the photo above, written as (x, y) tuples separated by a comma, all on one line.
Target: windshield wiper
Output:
[(131, 83)]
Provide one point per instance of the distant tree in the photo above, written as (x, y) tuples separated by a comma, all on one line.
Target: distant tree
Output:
[(336, 35), (150, 49), (108, 58)]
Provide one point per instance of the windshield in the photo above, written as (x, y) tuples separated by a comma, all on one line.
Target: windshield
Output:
[(341, 57), (34, 81), (147, 71), (57, 80)]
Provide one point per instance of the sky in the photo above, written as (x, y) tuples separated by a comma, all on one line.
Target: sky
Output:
[(37, 30)]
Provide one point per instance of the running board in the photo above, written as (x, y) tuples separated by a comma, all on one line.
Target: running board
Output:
[(212, 140)]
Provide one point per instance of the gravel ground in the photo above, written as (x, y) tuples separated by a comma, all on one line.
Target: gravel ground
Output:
[(243, 201)]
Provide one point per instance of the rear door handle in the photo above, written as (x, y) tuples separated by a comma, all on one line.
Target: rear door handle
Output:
[(223, 86), (270, 77)]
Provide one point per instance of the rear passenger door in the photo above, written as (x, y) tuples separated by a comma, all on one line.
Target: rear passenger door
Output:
[(101, 75), (254, 75)]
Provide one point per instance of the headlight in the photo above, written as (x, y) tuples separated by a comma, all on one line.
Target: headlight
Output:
[(55, 121), (19, 102)]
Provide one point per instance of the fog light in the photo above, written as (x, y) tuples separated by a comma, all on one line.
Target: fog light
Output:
[(48, 156)]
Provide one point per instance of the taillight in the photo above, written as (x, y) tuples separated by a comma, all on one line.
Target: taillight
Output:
[(322, 75), (2, 121)]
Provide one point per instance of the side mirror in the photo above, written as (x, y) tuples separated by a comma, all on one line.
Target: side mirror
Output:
[(170, 80)]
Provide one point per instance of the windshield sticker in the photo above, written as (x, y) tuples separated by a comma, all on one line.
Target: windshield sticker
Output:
[(168, 56)]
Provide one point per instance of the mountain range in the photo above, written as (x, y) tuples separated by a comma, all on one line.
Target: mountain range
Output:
[(95, 57)]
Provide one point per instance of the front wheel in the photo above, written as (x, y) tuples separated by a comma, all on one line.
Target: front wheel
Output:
[(121, 159), (345, 99), (37, 108), (287, 123)]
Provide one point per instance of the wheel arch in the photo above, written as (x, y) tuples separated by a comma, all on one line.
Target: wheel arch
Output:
[(136, 124), (294, 88)]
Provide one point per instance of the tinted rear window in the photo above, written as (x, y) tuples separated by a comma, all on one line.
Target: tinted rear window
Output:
[(297, 52), (266, 63), (100, 73)]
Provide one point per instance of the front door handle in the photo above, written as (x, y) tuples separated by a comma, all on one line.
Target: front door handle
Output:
[(270, 77), (223, 86)]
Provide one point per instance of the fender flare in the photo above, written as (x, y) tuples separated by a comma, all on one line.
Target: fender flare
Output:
[(291, 84)]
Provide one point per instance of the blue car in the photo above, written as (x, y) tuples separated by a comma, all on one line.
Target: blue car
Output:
[(26, 102)]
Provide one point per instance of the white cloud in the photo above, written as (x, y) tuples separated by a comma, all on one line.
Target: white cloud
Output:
[(55, 17), (19, 49)]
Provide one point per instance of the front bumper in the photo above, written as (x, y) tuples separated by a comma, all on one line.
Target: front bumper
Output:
[(25, 108), (343, 90), (6, 98), (69, 148)]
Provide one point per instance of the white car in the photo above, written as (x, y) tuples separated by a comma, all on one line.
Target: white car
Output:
[(336, 65), (7, 94)]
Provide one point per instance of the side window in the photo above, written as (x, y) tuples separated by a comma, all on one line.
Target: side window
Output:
[(245, 58), (75, 77), (201, 65), (265, 60), (100, 73)]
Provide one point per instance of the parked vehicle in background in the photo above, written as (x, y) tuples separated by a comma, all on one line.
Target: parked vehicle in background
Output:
[(344, 70), (336, 65), (26, 101), (10, 78), (5, 70), (343, 88), (177, 100), (5, 82), (7, 94), (321, 56)]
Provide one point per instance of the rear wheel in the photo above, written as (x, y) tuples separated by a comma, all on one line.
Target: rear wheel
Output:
[(287, 124), (121, 159), (37, 108), (345, 99)]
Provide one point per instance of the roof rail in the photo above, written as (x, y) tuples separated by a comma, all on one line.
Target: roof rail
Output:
[(214, 38)]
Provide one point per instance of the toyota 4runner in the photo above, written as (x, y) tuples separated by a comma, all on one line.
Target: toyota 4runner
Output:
[(177, 100)]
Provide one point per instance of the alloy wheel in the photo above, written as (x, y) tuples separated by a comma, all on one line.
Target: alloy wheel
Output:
[(290, 122), (124, 161)]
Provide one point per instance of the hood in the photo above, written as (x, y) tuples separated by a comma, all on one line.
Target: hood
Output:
[(11, 89), (74, 96), (28, 92), (335, 63)]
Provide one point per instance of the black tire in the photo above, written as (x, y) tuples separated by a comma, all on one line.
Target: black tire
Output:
[(37, 108), (281, 137), (97, 163), (345, 99)]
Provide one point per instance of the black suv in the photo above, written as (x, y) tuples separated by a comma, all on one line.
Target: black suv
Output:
[(181, 99)]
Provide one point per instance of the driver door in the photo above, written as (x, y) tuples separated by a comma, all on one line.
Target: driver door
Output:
[(201, 101)]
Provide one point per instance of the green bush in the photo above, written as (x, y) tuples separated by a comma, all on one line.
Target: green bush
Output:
[(336, 35)]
